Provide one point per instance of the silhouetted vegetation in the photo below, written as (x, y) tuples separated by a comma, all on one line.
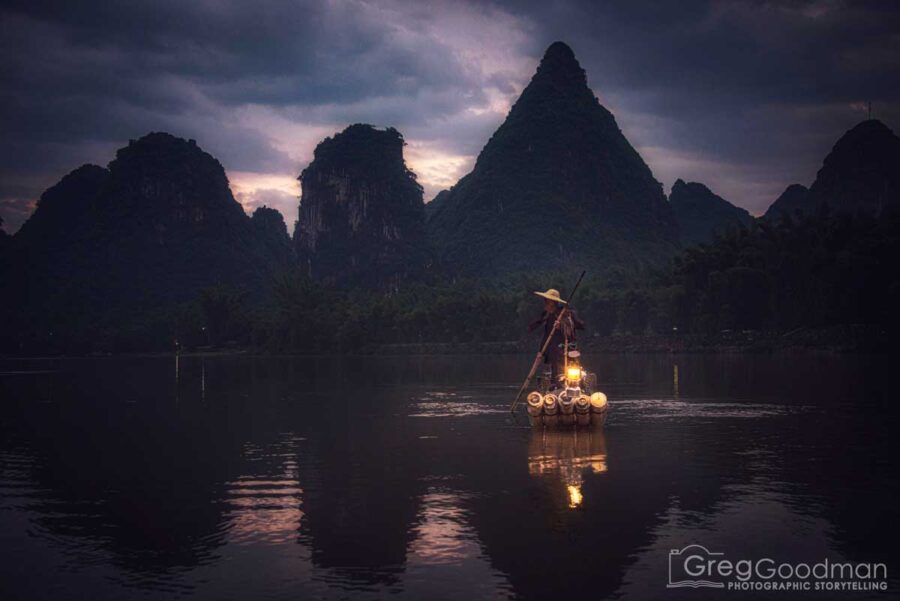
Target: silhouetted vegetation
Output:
[(809, 271), (806, 271)]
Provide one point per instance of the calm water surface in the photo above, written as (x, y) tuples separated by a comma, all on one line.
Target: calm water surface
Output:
[(337, 478)]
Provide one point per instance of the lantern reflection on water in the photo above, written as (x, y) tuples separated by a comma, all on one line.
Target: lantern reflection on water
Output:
[(566, 456), (575, 497)]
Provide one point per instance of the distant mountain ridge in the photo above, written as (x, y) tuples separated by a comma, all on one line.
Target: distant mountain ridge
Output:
[(701, 214), (860, 174), (271, 230), (557, 185), (110, 245), (794, 198), (862, 171)]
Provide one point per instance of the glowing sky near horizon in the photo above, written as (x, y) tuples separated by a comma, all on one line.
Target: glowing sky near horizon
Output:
[(745, 97)]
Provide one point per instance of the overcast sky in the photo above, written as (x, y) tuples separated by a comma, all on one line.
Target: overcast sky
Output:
[(746, 97)]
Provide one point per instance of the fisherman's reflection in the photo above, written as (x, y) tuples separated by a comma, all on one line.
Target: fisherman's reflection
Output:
[(565, 456)]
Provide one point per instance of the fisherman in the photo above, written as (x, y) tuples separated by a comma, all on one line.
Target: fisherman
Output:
[(556, 352)]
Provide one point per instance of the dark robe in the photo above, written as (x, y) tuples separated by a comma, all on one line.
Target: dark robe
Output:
[(555, 354)]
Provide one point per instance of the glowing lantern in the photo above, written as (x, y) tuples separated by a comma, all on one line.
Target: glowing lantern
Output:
[(575, 497), (573, 375)]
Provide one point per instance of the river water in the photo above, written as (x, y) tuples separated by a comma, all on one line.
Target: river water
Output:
[(235, 477)]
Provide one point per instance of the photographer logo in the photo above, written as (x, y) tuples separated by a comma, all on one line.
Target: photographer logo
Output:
[(695, 566)]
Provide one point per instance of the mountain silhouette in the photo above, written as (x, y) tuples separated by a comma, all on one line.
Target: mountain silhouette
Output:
[(861, 174), (556, 185), (108, 247), (701, 214), (794, 198), (361, 218), (271, 230), (862, 171)]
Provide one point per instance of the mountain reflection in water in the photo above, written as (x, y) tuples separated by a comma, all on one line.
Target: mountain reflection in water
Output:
[(327, 478)]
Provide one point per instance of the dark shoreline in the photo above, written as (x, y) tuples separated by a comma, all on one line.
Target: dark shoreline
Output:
[(850, 339), (837, 339)]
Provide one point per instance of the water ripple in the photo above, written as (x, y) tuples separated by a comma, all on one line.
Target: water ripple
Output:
[(448, 404), (672, 408)]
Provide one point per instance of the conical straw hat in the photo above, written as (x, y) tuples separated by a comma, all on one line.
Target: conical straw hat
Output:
[(552, 294)]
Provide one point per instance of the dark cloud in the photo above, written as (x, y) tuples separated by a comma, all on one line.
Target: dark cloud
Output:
[(80, 80), (746, 96)]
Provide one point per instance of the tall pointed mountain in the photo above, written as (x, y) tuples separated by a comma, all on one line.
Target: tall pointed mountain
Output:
[(701, 214), (557, 185), (105, 248), (361, 219)]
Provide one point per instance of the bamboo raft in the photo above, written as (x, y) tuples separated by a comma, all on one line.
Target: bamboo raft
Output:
[(571, 402)]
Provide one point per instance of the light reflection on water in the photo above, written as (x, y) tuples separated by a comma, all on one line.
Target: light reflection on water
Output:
[(699, 408), (241, 477), (267, 509), (567, 455), (451, 404)]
